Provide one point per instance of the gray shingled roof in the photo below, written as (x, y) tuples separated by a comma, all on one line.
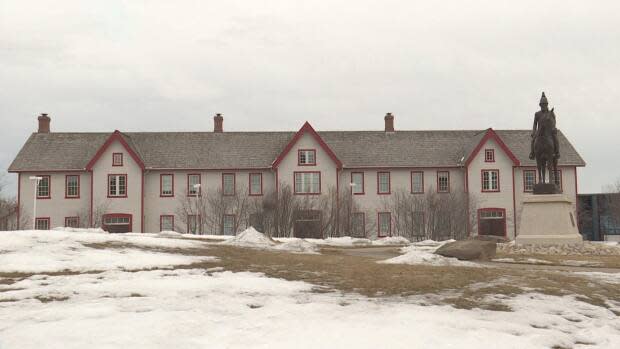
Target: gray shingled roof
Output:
[(198, 150)]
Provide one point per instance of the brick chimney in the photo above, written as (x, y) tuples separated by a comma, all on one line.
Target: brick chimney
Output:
[(218, 123), (44, 123), (389, 122)]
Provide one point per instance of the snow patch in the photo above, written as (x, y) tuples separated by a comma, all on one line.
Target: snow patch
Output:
[(298, 246), (250, 238), (391, 240), (423, 252)]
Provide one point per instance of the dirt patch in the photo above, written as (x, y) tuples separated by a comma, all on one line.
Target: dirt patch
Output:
[(48, 299)]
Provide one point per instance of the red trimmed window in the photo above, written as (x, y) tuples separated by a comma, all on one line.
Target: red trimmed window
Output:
[(383, 183), (307, 182), (117, 159), (44, 188), (358, 224), (228, 184), (72, 186), (166, 222), (42, 223), (558, 178), (306, 157), (255, 184), (443, 181), (357, 183), (72, 222), (490, 180), (489, 155), (193, 184), (384, 224), (228, 224), (417, 182), (166, 185), (529, 180), (117, 185), (193, 224)]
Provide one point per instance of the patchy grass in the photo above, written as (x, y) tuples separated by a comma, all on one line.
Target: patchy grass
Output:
[(569, 260)]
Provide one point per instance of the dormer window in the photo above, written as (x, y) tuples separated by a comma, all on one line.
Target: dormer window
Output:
[(489, 155), (306, 157), (117, 159)]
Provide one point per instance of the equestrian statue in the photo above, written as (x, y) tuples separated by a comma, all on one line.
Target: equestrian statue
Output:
[(545, 148)]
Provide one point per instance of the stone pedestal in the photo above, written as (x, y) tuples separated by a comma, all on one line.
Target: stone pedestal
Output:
[(548, 220)]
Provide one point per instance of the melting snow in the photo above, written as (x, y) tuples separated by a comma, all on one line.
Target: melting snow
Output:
[(423, 252)]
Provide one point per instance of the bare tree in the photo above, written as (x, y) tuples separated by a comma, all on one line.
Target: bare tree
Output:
[(84, 215)]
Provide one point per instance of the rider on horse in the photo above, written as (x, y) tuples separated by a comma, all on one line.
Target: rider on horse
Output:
[(544, 109)]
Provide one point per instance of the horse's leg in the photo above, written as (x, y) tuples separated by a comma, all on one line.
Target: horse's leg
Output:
[(543, 169)]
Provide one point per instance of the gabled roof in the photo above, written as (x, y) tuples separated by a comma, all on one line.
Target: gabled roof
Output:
[(240, 150), (307, 128), (125, 141), (489, 134)]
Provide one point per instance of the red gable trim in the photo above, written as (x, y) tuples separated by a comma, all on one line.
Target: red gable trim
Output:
[(115, 136), (306, 128), (490, 134)]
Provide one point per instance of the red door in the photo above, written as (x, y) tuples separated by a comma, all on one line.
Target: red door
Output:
[(492, 221), (117, 223)]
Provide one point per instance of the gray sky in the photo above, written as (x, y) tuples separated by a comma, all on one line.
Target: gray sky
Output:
[(271, 65)]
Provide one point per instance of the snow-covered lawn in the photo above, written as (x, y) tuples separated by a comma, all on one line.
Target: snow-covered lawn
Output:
[(213, 308), (423, 252)]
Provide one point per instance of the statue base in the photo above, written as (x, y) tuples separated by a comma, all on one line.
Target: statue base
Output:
[(548, 220), (546, 188)]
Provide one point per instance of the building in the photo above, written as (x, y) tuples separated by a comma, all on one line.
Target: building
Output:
[(599, 216), (140, 181)]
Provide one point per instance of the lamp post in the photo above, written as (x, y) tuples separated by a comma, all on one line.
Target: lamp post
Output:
[(197, 189), (36, 180)]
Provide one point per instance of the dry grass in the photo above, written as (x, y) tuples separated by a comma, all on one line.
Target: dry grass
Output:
[(596, 261)]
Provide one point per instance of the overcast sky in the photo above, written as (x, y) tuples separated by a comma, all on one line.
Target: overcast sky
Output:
[(271, 65)]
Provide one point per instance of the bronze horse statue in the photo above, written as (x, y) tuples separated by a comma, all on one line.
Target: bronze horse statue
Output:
[(544, 148)]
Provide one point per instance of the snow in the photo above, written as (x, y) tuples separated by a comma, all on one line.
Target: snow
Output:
[(521, 261), (298, 246), (250, 238), (424, 253), (197, 308), (391, 240), (612, 278), (32, 251)]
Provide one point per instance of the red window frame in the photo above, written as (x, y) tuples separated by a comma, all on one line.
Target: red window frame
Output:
[(199, 182), (117, 164), (161, 185), (389, 232), (299, 157), (389, 183), (77, 220), (67, 196), (438, 187), (161, 219), (198, 223), (363, 184), (233, 227), (117, 215), (489, 155), (363, 220), (482, 181), (234, 183), (49, 187), (295, 192), (250, 193), (126, 186), (411, 182), (525, 190), (47, 219)]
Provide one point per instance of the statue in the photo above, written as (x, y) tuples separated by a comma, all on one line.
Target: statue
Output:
[(545, 148)]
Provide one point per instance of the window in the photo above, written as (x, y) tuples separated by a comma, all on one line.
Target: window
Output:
[(357, 183), (489, 155), (417, 182), (72, 222), (193, 185), (384, 223), (306, 157), (166, 185), (358, 225), (117, 186), (166, 223), (443, 181), (117, 159), (193, 224), (228, 224), (307, 183), (490, 180), (43, 188), (42, 224), (529, 180), (228, 184), (256, 183), (558, 179), (383, 182), (72, 186)]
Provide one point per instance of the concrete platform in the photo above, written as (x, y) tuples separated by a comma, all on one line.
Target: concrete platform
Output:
[(548, 220)]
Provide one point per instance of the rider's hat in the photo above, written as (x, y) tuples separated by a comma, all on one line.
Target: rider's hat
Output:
[(543, 99)]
